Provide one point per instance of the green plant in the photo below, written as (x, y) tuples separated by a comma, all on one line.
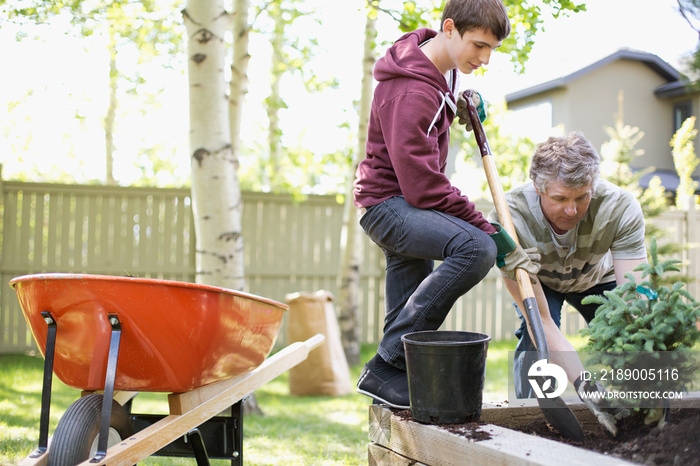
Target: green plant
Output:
[(685, 160), (646, 326), (648, 316)]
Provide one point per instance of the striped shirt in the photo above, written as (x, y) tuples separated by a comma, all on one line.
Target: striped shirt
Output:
[(612, 228)]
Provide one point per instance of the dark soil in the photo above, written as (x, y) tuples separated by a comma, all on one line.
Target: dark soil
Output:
[(677, 443), (470, 430), (674, 444)]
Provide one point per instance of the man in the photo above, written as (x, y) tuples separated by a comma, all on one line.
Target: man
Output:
[(407, 204), (588, 232)]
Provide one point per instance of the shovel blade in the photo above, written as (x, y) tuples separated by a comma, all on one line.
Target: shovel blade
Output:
[(560, 416)]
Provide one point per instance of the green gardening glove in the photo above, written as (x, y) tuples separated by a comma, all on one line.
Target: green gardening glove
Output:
[(463, 113), (510, 256)]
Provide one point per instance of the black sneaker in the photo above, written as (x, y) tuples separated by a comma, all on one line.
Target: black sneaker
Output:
[(392, 391)]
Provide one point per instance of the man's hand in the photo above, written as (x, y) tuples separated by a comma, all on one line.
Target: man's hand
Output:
[(463, 113), (534, 255), (593, 395), (517, 259), (510, 256)]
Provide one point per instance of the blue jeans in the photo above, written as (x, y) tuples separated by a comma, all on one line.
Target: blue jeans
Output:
[(418, 297), (525, 351)]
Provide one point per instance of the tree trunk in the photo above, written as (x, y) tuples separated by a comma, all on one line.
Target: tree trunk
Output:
[(216, 195), (110, 117), (352, 253), (238, 87), (274, 101)]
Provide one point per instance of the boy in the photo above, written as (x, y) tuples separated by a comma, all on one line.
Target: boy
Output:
[(407, 204)]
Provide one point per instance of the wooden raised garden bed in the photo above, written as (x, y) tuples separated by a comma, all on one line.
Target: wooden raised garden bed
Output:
[(397, 440)]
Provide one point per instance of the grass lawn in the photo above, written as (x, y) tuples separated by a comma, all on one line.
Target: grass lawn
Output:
[(293, 430)]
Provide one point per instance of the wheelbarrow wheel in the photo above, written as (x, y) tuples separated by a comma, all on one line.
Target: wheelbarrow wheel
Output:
[(77, 433)]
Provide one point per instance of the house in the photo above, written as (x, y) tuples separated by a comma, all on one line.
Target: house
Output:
[(653, 96)]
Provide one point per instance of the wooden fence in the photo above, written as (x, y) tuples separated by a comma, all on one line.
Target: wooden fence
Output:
[(289, 246)]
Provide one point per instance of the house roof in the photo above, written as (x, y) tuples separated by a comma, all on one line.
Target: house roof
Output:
[(665, 70), (669, 180)]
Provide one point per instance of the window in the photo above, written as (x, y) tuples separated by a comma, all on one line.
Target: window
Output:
[(681, 112)]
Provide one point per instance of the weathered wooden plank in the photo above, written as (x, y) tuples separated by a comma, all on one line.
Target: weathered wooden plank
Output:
[(191, 409), (53, 227), (10, 230), (521, 412), (25, 227), (37, 236), (169, 234), (93, 217), (437, 446), (80, 234), (378, 455), (105, 229), (130, 212), (181, 258), (390, 431)]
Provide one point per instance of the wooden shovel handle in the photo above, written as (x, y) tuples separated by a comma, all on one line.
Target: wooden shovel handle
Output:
[(557, 413), (496, 188)]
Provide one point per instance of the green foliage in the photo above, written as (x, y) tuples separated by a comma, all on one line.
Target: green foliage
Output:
[(527, 20), (144, 24), (649, 318), (137, 33), (618, 152), (690, 10), (512, 153), (627, 321), (685, 159), (300, 172), (291, 51)]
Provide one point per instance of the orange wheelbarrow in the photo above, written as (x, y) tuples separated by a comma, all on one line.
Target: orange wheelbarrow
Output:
[(112, 337)]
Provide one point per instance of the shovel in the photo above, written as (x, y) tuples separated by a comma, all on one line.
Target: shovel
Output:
[(557, 413)]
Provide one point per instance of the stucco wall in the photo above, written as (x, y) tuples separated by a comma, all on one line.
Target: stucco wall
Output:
[(590, 103)]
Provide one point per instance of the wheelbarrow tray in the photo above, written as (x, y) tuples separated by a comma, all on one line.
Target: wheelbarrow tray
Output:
[(176, 336)]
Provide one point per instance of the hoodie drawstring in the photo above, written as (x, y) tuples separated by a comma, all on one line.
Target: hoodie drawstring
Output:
[(445, 99)]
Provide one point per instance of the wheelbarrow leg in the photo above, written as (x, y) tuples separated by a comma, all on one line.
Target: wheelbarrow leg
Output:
[(106, 414), (46, 388), (194, 437), (237, 434), (233, 432)]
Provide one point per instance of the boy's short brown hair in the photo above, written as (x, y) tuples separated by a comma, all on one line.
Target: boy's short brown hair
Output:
[(469, 15)]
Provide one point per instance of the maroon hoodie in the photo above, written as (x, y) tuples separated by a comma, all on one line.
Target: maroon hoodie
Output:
[(409, 134)]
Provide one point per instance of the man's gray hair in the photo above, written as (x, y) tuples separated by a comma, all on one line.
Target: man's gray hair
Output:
[(572, 160)]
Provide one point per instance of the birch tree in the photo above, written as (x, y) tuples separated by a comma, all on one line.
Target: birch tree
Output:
[(238, 86), (216, 196), (348, 318), (274, 103)]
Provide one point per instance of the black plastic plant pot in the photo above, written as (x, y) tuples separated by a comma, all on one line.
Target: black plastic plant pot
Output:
[(446, 372)]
